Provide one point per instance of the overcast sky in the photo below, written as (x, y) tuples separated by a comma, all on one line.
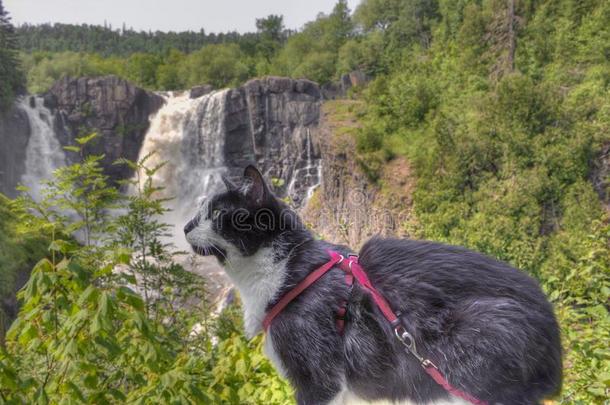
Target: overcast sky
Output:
[(169, 15)]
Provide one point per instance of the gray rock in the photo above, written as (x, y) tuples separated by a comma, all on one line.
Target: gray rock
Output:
[(334, 90), (268, 122), (114, 108), (199, 91), (14, 136)]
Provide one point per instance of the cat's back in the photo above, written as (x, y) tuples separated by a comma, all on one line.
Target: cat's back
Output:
[(449, 270), (485, 321)]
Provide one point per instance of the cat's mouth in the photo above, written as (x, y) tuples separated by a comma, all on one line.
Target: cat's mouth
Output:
[(211, 250)]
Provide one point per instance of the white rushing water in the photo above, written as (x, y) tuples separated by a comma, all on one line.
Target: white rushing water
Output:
[(310, 174), (188, 135), (44, 153)]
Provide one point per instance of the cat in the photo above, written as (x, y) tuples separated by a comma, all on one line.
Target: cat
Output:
[(486, 325)]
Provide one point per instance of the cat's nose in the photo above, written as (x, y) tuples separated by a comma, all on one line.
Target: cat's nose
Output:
[(192, 224)]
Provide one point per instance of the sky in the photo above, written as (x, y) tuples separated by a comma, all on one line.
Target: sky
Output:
[(169, 15)]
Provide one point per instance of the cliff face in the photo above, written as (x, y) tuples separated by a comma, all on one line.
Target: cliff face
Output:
[(14, 135), (267, 122), (270, 122), (348, 207), (114, 108)]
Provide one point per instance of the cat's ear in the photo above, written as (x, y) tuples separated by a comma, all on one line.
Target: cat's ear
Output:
[(256, 190), (228, 183)]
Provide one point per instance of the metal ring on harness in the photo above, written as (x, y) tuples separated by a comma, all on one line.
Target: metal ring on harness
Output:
[(408, 341)]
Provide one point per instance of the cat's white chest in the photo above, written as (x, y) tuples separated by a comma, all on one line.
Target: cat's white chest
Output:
[(258, 279)]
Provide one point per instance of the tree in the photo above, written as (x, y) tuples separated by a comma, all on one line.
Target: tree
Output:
[(403, 22), (141, 68), (271, 31), (271, 26), (339, 26), (377, 14), (502, 38), (12, 80), (168, 74), (219, 65), (313, 52)]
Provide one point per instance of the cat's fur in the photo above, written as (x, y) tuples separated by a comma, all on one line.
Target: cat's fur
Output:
[(487, 325)]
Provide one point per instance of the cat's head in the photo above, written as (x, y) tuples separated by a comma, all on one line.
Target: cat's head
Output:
[(240, 220)]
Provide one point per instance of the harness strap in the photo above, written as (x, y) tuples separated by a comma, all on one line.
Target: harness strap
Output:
[(342, 311), (351, 266), (298, 289), (353, 270), (436, 375)]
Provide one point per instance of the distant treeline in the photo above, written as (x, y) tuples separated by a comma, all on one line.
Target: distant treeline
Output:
[(321, 51), (106, 41)]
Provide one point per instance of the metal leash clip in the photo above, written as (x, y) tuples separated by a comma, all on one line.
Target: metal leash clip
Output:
[(409, 342)]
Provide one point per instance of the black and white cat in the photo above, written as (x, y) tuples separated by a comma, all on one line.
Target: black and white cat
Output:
[(487, 326)]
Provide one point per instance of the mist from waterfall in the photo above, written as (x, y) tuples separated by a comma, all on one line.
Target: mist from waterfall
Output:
[(44, 153), (187, 136)]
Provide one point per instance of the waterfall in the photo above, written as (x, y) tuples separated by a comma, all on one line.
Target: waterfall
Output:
[(44, 153), (187, 135), (308, 176)]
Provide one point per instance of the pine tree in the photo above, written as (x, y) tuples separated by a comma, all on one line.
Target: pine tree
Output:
[(12, 80), (502, 38)]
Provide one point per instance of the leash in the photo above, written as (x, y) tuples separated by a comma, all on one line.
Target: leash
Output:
[(353, 270)]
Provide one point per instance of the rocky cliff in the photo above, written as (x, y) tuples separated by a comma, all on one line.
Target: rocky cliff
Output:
[(114, 108), (14, 135), (269, 122), (349, 207)]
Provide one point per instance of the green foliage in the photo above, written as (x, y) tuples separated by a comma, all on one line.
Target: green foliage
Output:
[(44, 69), (504, 154), (20, 249), (109, 317), (123, 42), (218, 65), (12, 81), (272, 35), (402, 22), (168, 73), (363, 53), (242, 375), (142, 68), (173, 61), (312, 53)]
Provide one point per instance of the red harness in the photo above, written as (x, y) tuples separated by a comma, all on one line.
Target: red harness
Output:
[(352, 270)]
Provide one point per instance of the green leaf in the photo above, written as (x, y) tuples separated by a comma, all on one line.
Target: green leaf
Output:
[(72, 148), (28, 333), (83, 140), (240, 367), (131, 298)]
